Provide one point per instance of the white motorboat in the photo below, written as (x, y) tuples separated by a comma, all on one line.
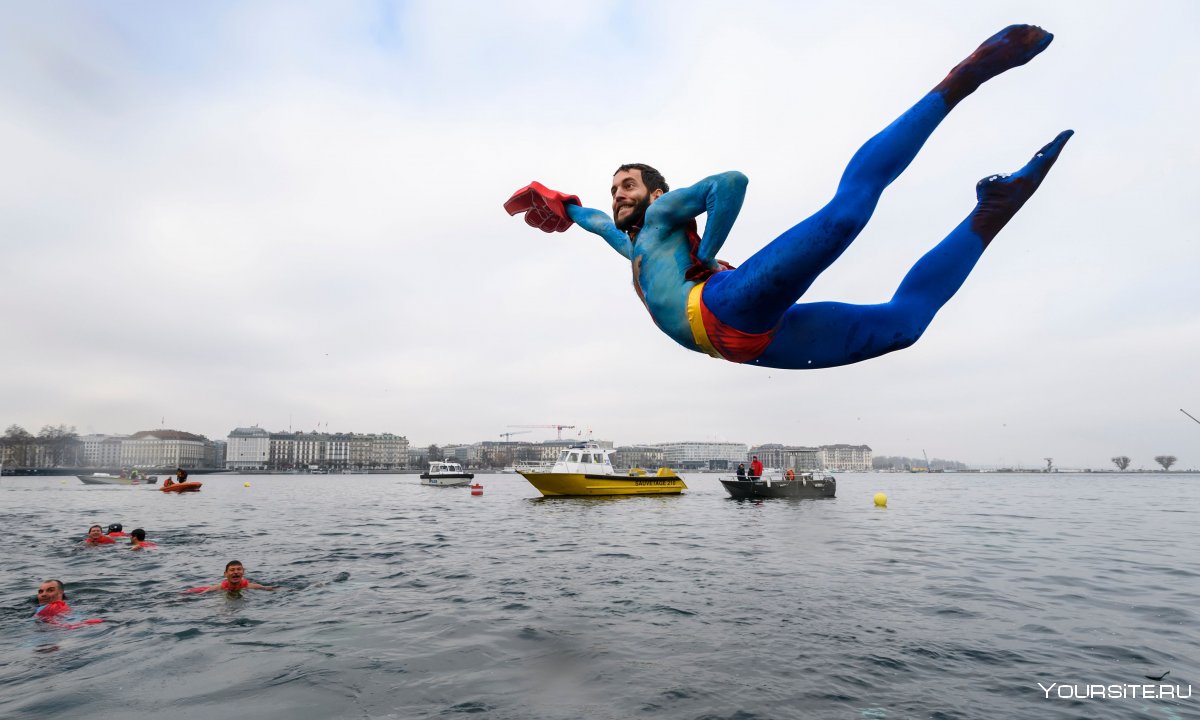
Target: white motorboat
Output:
[(446, 473), (103, 478)]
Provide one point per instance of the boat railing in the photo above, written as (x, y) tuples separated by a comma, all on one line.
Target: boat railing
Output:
[(774, 478), (538, 466)]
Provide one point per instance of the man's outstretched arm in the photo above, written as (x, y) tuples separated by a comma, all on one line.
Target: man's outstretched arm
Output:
[(720, 196), (595, 221), (552, 211)]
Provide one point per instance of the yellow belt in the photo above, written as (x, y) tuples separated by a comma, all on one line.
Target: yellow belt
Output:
[(696, 320)]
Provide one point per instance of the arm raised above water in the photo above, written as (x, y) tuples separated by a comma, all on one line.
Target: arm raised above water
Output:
[(720, 196)]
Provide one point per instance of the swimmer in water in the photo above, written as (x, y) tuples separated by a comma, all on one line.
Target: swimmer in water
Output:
[(96, 536), (137, 540), (52, 605), (116, 530), (235, 580)]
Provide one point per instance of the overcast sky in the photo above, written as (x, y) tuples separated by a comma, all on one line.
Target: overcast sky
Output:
[(289, 215)]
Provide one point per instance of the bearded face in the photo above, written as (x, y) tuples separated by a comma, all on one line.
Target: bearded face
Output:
[(631, 215)]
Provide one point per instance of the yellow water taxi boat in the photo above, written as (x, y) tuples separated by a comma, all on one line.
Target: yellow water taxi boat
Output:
[(586, 470)]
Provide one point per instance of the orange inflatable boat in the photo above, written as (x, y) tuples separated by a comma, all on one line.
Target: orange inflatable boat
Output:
[(181, 487)]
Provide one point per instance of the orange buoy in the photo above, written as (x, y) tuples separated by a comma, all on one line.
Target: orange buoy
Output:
[(476, 489)]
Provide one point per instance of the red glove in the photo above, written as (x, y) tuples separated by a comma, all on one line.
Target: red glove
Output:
[(544, 209)]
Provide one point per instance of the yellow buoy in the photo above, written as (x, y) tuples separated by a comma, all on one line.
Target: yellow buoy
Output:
[(245, 484), (880, 500)]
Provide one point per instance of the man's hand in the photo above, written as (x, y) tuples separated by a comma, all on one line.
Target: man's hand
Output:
[(544, 209)]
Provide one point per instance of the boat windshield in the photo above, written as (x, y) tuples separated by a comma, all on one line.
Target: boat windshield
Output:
[(585, 456)]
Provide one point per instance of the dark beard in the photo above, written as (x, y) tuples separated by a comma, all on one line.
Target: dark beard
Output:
[(634, 219)]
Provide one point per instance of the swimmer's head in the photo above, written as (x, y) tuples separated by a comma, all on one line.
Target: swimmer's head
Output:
[(95, 531), (234, 570), (115, 527), (51, 591), (634, 187), (138, 534)]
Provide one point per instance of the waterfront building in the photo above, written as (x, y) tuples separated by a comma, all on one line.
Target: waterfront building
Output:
[(839, 458), (709, 455), (388, 451), (164, 449), (499, 453), (466, 454), (337, 451), (359, 447), (101, 451), (214, 456), (643, 456), (846, 458), (248, 449), (776, 455)]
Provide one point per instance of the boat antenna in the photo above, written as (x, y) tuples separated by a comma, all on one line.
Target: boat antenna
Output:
[(1185, 412)]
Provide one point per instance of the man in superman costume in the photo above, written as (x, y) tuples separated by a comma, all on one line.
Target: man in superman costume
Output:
[(750, 314)]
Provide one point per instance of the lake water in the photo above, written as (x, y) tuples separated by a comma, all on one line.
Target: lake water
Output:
[(404, 601)]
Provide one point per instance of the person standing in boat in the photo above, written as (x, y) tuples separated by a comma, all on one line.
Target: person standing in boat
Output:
[(756, 468), (741, 472)]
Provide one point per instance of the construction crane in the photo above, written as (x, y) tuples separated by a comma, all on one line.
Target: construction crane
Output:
[(508, 435), (559, 428)]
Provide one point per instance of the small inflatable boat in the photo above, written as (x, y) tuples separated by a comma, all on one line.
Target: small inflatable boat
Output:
[(182, 487)]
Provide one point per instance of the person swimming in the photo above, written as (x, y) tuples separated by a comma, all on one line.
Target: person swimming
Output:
[(137, 540), (53, 608), (96, 536), (235, 581), (116, 530)]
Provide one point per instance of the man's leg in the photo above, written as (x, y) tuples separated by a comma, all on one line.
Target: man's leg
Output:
[(818, 335), (753, 297)]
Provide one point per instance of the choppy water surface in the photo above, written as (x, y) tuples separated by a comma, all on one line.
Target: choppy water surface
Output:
[(403, 601)]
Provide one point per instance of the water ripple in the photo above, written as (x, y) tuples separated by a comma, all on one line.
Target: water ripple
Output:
[(402, 601)]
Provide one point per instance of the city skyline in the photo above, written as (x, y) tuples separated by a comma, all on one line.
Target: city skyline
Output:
[(292, 215), (921, 457)]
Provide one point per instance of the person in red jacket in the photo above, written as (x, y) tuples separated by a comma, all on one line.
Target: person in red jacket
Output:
[(755, 468), (53, 608), (96, 536), (235, 580), (137, 540)]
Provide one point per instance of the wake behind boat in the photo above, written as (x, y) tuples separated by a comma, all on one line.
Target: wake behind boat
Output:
[(446, 473), (803, 485), (586, 470)]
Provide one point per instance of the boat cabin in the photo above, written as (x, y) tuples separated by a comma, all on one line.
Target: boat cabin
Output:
[(589, 459), (444, 467)]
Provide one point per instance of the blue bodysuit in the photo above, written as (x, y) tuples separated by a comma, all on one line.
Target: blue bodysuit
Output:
[(751, 314)]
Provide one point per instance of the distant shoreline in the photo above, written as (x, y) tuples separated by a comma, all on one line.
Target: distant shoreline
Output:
[(71, 472)]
